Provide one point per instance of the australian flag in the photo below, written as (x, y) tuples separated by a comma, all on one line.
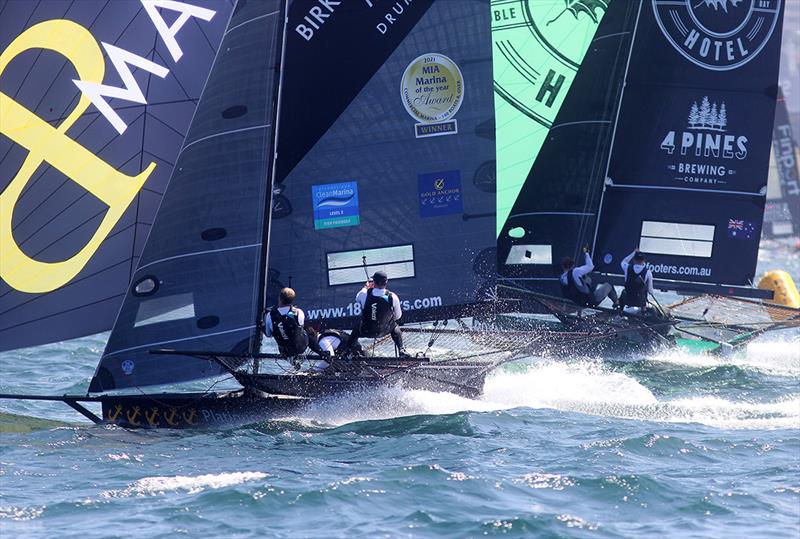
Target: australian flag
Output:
[(741, 230)]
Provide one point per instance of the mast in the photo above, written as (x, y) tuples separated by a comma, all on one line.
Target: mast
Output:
[(614, 130), (271, 175)]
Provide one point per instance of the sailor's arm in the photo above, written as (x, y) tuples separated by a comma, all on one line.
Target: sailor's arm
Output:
[(626, 261), (301, 317), (648, 279), (398, 312), (587, 267), (361, 297), (267, 325)]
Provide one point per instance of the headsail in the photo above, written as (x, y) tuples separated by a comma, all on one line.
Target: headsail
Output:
[(556, 210), (82, 180), (686, 180), (198, 281)]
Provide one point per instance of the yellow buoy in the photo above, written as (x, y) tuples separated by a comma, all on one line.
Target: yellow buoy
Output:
[(783, 286)]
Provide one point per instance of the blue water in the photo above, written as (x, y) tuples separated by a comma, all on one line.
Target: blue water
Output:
[(667, 446)]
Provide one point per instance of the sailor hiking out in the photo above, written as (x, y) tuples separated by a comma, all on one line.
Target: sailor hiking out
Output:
[(285, 324), (577, 285), (638, 283), (380, 313)]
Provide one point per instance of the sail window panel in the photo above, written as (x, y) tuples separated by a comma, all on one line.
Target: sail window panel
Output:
[(530, 254), (349, 267), (382, 255), (166, 309), (682, 231), (399, 270), (680, 239)]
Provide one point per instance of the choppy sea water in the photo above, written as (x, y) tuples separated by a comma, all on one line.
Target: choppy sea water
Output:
[(670, 445)]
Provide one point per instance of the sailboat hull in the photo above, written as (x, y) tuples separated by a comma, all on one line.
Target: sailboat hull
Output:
[(195, 410), (461, 378)]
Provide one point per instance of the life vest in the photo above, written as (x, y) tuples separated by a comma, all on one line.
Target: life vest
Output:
[(378, 315), (571, 291), (292, 339), (636, 288)]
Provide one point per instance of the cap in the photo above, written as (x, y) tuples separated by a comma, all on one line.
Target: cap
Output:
[(380, 277)]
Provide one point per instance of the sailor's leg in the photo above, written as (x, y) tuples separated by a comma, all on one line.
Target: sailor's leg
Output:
[(313, 341), (603, 291), (352, 342), (397, 337)]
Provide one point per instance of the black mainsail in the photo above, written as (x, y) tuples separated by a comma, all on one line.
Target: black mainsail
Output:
[(687, 175), (382, 170), (76, 210)]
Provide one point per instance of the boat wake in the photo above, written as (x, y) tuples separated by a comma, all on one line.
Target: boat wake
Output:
[(774, 357), (584, 387)]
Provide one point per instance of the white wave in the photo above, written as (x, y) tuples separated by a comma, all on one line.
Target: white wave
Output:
[(192, 484), (585, 387), (775, 357)]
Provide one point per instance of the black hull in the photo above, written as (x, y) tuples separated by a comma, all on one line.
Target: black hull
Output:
[(195, 411), (464, 379)]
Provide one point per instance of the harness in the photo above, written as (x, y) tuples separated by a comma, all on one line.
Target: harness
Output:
[(292, 339), (571, 291), (378, 315), (636, 288)]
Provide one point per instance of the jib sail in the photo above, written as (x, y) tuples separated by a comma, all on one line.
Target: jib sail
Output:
[(539, 50), (197, 285), (96, 99), (687, 176), (556, 210), (386, 159)]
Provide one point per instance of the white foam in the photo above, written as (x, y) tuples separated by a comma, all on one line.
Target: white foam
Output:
[(192, 484), (584, 387), (774, 357)]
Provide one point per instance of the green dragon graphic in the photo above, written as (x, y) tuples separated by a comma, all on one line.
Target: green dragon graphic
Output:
[(582, 6)]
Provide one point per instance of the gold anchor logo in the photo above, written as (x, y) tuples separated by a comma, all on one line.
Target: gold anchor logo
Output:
[(114, 414), (169, 417), (133, 416), (52, 145), (152, 417)]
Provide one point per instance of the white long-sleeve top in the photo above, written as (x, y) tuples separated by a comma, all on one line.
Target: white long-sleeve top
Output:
[(648, 276), (361, 298), (579, 272), (301, 319)]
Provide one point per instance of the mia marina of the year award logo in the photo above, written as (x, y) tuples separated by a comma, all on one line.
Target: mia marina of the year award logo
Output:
[(717, 34), (432, 89)]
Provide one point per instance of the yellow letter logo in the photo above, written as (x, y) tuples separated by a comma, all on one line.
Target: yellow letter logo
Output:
[(51, 144)]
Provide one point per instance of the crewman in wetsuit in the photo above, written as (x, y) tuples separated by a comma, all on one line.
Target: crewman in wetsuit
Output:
[(329, 343), (380, 313), (285, 323), (638, 283), (577, 285)]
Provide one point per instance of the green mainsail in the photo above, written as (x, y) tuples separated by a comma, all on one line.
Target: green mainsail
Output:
[(538, 48)]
